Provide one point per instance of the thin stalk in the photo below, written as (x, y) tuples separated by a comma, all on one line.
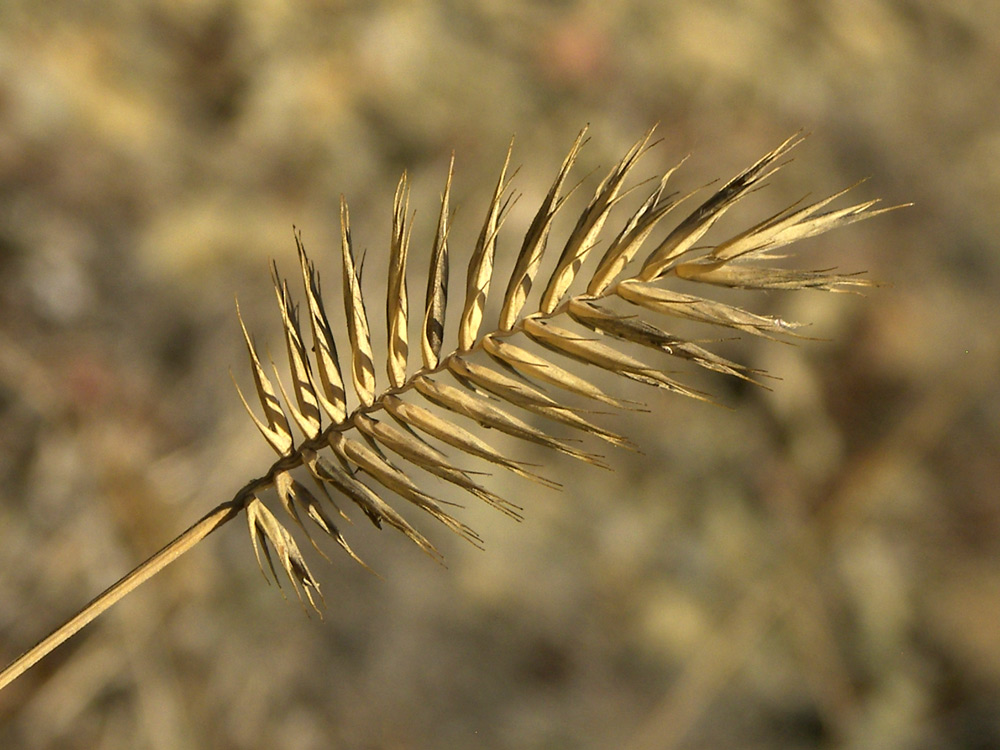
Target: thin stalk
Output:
[(117, 591)]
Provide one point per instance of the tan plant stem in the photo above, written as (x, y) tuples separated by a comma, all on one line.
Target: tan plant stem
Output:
[(146, 570)]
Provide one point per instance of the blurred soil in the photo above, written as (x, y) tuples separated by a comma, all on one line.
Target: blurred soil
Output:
[(816, 567)]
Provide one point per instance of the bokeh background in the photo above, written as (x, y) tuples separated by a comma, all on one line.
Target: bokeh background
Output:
[(816, 567)]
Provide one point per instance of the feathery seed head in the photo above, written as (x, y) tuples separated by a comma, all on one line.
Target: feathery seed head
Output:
[(394, 423)]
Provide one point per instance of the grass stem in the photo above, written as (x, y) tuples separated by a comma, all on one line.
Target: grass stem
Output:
[(142, 573)]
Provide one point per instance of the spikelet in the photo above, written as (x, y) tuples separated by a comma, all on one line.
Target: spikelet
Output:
[(375, 447)]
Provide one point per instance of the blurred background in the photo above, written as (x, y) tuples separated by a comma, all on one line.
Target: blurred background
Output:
[(817, 566)]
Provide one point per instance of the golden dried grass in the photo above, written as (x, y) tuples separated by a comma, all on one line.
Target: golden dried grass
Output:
[(348, 451)]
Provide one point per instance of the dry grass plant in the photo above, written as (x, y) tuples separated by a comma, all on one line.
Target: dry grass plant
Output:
[(359, 452)]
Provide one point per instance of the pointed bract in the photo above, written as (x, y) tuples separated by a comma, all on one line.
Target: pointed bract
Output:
[(277, 432), (432, 332), (477, 286), (396, 301), (533, 366), (265, 529), (530, 256), (703, 310), (487, 415), (416, 416), (331, 396), (362, 364), (526, 397), (305, 408)]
